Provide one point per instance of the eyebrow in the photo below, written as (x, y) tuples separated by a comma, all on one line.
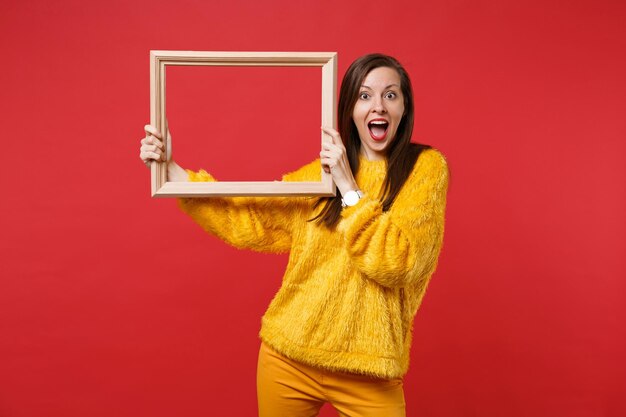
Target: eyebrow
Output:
[(390, 85)]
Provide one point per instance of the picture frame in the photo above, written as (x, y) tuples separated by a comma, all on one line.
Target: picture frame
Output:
[(160, 60)]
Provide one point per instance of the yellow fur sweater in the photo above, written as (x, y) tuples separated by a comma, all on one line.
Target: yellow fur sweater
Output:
[(349, 295)]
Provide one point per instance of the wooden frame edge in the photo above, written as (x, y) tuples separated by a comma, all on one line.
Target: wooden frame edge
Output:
[(160, 187)]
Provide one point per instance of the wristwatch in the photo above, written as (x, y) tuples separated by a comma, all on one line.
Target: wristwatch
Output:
[(351, 198)]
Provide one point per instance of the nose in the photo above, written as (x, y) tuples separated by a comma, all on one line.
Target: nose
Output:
[(378, 106)]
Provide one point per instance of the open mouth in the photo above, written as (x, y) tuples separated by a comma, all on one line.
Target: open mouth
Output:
[(378, 129)]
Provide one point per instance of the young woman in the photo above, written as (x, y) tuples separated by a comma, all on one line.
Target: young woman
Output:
[(339, 328)]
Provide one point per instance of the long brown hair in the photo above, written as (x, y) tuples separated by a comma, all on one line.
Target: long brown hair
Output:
[(401, 154)]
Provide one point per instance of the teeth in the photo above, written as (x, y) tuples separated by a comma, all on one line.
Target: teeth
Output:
[(378, 122)]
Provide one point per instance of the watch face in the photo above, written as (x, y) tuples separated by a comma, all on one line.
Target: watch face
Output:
[(351, 198)]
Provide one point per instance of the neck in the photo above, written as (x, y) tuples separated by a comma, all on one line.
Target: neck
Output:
[(371, 156)]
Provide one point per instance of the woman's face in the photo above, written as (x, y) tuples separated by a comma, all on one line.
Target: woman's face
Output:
[(378, 111)]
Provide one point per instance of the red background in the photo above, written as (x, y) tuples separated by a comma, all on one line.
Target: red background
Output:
[(115, 304)]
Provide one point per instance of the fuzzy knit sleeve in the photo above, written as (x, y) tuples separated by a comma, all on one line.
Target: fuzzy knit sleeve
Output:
[(263, 224), (400, 247)]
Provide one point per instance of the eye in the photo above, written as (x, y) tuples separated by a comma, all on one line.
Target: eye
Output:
[(391, 95), (364, 96)]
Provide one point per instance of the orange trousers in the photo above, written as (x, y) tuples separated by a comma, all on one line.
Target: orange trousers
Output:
[(286, 388)]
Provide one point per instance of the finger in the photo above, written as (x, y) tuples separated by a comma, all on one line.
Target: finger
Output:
[(151, 148), (148, 156), (152, 131), (152, 141), (330, 131), (327, 156), (337, 152), (327, 168), (157, 142), (331, 146), (331, 165), (336, 139), (331, 155)]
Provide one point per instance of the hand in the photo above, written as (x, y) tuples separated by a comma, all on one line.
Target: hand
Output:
[(335, 161), (153, 149)]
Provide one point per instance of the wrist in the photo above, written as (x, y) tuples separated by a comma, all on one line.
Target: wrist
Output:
[(347, 186), (175, 173)]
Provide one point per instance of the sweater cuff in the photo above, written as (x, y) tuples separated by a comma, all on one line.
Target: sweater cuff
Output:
[(355, 218), (200, 176), (187, 204)]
